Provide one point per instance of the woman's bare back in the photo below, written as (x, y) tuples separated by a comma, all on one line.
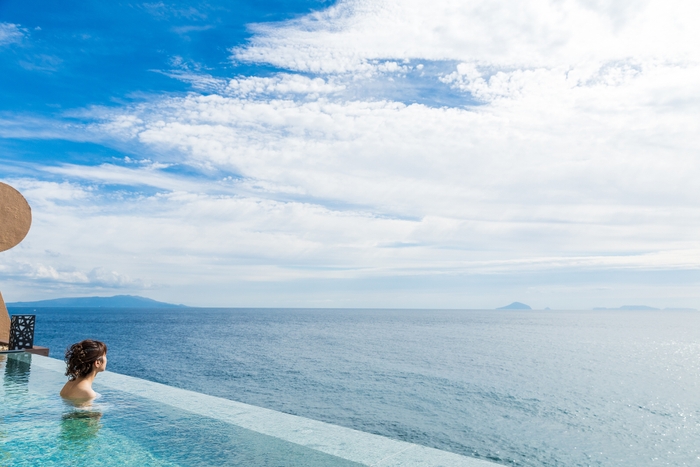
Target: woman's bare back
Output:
[(78, 390)]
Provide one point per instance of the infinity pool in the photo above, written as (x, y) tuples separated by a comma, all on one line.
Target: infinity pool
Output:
[(141, 423)]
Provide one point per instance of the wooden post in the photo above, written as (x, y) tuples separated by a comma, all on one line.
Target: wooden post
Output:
[(4, 321)]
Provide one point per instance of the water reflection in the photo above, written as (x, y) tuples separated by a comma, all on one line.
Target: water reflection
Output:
[(80, 425), (17, 370), (79, 429)]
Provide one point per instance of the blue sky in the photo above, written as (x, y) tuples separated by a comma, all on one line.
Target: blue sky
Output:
[(354, 153)]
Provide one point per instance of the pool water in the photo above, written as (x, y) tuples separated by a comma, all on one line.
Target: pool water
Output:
[(128, 425), (122, 429)]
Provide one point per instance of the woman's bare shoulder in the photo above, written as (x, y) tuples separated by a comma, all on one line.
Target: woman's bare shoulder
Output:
[(77, 392)]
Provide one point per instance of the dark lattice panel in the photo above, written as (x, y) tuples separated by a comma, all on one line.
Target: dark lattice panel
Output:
[(22, 332)]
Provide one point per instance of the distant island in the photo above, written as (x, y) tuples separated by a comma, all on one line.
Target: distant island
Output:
[(515, 306), (117, 301)]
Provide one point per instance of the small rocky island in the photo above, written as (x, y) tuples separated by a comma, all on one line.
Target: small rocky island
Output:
[(515, 306)]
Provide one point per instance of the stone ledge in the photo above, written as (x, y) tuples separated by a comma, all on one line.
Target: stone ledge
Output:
[(36, 350)]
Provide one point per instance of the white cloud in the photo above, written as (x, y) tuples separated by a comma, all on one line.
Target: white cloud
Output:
[(453, 170), (23, 126), (105, 278), (403, 159), (258, 239), (199, 80), (186, 238), (532, 33), (10, 33), (281, 84), (49, 275), (582, 166), (148, 175)]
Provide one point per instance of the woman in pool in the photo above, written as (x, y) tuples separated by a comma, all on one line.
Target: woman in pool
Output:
[(83, 361)]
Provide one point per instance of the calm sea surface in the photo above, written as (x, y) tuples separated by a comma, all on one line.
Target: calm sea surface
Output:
[(522, 388)]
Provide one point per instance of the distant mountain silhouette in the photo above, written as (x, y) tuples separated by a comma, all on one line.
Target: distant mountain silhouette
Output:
[(117, 301), (515, 306)]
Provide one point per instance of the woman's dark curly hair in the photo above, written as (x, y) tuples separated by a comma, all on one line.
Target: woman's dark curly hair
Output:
[(81, 356)]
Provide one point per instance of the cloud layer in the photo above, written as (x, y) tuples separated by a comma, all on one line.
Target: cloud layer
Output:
[(571, 148)]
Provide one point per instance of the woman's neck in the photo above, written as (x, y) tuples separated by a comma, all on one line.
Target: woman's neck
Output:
[(89, 378)]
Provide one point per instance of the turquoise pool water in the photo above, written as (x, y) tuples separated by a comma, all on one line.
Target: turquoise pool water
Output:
[(141, 423)]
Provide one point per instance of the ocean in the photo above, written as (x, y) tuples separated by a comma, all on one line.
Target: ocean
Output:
[(520, 388)]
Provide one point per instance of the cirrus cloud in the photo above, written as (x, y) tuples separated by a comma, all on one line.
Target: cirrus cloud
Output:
[(10, 33)]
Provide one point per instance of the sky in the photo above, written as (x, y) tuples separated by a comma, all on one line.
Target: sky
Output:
[(355, 153)]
